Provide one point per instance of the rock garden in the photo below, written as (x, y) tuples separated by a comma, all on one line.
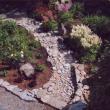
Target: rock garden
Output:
[(56, 52)]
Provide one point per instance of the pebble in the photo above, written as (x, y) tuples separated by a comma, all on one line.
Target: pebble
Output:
[(81, 67), (50, 89), (86, 87)]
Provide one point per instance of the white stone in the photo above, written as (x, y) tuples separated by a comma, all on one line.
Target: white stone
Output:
[(81, 67), (25, 96), (27, 69), (54, 101), (77, 71), (11, 87), (5, 84), (50, 89), (1, 81), (86, 87), (83, 73), (79, 92)]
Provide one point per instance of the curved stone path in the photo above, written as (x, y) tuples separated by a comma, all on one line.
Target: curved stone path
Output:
[(57, 92)]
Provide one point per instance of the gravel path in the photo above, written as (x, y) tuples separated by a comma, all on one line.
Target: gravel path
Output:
[(12, 102)]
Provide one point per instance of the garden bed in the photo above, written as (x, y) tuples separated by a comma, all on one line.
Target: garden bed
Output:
[(11, 73)]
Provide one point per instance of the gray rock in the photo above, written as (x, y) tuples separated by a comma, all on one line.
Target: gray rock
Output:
[(27, 69), (50, 89), (11, 87), (78, 106), (81, 67), (26, 96), (79, 92), (1, 81), (5, 84), (54, 101)]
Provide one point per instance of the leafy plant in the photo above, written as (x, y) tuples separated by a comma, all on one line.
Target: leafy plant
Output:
[(65, 17), (51, 25), (3, 73), (77, 9), (33, 44), (40, 67), (99, 24), (14, 42)]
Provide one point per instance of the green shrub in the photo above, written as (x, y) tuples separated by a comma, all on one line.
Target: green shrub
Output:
[(51, 25), (99, 24), (33, 44), (77, 9), (90, 55), (14, 42), (3, 73), (40, 67), (65, 17), (36, 16), (85, 42), (38, 55)]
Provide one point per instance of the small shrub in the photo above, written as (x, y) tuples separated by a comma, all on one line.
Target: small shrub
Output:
[(38, 55), (77, 9), (50, 25), (15, 42), (65, 17), (33, 44), (40, 67), (99, 24), (36, 16), (3, 73), (85, 40)]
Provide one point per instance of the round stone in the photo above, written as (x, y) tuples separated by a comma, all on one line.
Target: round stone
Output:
[(86, 87), (50, 89), (81, 67)]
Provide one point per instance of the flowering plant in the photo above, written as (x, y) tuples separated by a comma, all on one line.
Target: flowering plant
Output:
[(88, 42), (64, 6), (85, 36)]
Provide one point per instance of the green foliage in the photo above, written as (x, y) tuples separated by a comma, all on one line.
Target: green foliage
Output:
[(40, 67), (77, 9), (85, 42), (38, 55), (36, 16), (51, 25), (33, 44), (99, 24), (90, 55), (14, 41), (65, 17), (3, 73)]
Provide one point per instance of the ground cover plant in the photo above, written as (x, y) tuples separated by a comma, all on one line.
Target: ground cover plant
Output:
[(18, 47)]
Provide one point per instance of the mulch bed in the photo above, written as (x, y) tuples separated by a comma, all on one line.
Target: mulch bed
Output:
[(37, 81)]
